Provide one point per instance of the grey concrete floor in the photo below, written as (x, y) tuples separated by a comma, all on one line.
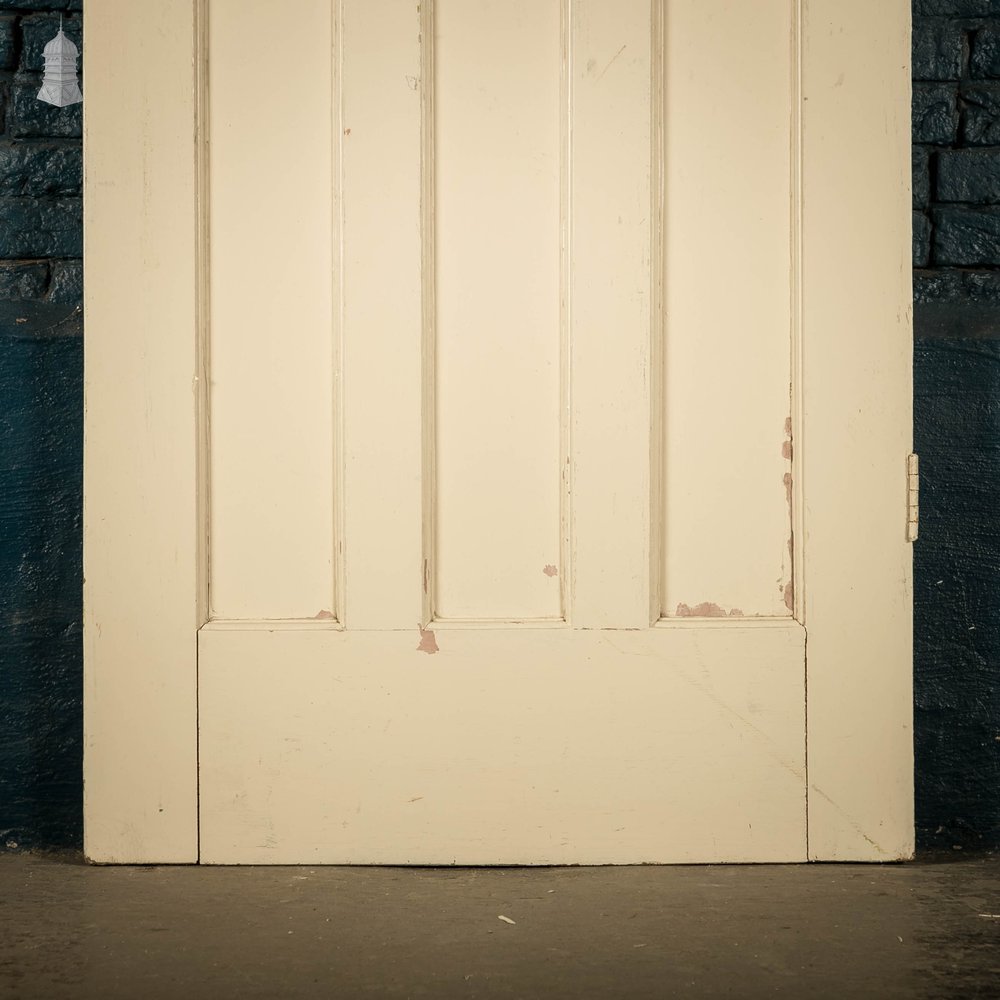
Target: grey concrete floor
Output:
[(925, 929)]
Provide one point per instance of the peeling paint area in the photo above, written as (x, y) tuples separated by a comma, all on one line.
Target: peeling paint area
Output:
[(707, 610), (550, 570), (323, 616), (785, 585), (428, 641)]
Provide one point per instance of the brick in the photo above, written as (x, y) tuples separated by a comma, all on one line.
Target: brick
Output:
[(937, 286), (47, 5), (39, 170), (938, 50), (984, 59), (23, 279), (67, 282), (968, 175), (8, 41), (935, 113), (34, 227), (955, 8), (921, 239), (38, 30), (921, 176), (966, 237), (32, 118), (982, 286), (981, 114)]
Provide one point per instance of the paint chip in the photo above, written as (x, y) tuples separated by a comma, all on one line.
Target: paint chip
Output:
[(323, 616), (704, 610), (790, 596), (428, 642), (506, 920), (550, 570)]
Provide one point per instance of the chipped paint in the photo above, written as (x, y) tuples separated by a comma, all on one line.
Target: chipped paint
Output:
[(428, 641), (323, 616), (550, 570), (787, 452), (707, 610)]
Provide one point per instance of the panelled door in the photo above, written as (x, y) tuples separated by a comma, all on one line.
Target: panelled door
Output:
[(501, 437)]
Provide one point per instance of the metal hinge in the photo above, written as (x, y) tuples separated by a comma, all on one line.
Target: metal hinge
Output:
[(912, 497)]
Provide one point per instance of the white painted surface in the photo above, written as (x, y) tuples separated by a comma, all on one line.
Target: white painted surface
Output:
[(497, 172), (141, 552), (691, 730), (272, 311), (381, 322), (857, 396), (504, 747), (609, 327), (727, 329)]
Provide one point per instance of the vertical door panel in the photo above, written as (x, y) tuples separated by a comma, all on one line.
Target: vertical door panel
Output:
[(497, 190), (727, 300), (379, 78), (271, 341), (609, 323)]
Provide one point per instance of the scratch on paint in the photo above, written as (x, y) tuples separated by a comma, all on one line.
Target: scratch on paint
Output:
[(550, 570), (428, 642), (770, 745), (850, 819), (706, 610), (610, 64)]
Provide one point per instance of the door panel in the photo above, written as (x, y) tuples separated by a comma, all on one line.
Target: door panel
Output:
[(673, 744), (498, 177), (272, 314), (727, 299)]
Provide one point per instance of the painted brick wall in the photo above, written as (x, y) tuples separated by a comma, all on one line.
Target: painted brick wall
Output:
[(956, 174), (41, 416), (956, 284)]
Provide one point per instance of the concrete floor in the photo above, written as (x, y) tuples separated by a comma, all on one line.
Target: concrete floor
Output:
[(927, 929)]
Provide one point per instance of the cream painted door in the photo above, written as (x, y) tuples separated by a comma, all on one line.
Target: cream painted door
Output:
[(500, 537)]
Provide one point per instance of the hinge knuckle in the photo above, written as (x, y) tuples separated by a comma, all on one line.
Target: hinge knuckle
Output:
[(912, 497)]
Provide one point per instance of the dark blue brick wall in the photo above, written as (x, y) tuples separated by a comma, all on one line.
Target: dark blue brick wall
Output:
[(956, 255), (41, 438)]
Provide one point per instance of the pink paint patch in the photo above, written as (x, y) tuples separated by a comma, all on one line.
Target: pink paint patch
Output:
[(790, 596), (550, 570), (323, 616), (705, 610), (788, 426), (786, 450), (787, 480), (428, 643)]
